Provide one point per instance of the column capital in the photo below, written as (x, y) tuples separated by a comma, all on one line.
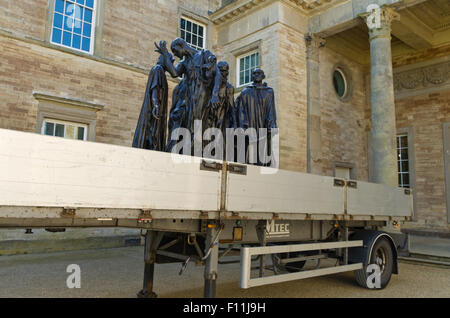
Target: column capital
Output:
[(313, 44), (378, 20)]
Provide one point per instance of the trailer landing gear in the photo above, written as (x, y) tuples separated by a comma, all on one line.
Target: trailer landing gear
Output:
[(152, 241), (212, 261)]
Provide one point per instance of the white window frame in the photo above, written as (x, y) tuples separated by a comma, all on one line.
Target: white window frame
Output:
[(399, 160), (65, 123), (94, 23), (205, 30), (238, 66)]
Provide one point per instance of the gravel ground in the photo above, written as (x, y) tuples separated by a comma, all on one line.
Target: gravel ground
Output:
[(118, 273)]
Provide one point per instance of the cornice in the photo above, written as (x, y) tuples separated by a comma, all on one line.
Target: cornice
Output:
[(241, 7)]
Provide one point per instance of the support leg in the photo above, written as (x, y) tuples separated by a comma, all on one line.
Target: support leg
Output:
[(211, 265), (261, 233), (152, 241)]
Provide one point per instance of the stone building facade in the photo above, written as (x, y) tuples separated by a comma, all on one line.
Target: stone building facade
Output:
[(329, 66)]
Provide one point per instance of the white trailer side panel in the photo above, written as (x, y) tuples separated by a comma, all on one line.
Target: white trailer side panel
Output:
[(37, 170), (283, 192), (378, 200)]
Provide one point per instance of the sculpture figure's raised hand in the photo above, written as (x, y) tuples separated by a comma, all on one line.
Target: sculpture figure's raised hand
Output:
[(162, 48)]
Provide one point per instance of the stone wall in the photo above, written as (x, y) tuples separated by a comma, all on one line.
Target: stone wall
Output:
[(131, 27), (50, 71), (425, 114), (344, 124), (24, 17)]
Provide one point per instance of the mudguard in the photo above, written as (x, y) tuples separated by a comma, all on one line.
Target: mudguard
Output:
[(369, 237)]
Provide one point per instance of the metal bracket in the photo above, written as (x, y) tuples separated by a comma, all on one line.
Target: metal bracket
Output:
[(145, 216), (339, 183), (210, 166), (217, 166), (352, 184), (237, 169)]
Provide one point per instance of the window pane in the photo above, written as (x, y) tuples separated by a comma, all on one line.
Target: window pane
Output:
[(405, 177), (247, 77), (76, 41), (87, 29), (90, 3), (88, 15), (58, 20), (80, 2), (49, 127), (200, 30), (86, 44), (183, 35), (194, 28), (68, 24), (69, 8), (59, 130), (339, 83), (405, 166), (57, 34), (241, 78), (80, 133), (189, 26), (194, 40), (183, 24), (77, 27), (77, 12), (404, 142), (59, 6), (67, 38), (188, 37), (404, 154)]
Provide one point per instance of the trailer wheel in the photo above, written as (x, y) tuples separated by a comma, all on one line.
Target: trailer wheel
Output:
[(382, 256)]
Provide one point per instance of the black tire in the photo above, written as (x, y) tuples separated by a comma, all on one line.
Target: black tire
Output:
[(382, 255)]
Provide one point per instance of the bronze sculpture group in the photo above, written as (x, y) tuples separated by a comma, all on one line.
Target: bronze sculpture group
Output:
[(203, 95)]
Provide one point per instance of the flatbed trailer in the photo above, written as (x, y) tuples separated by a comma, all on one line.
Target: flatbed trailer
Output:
[(201, 210)]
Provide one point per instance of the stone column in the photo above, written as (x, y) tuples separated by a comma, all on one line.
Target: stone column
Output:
[(314, 144), (384, 147)]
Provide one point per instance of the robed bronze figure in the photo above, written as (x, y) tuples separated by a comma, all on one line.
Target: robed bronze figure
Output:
[(151, 127), (198, 90), (256, 109)]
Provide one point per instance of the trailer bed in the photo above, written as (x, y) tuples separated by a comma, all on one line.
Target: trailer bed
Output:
[(54, 179)]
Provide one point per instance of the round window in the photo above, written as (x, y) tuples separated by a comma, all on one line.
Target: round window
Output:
[(340, 83)]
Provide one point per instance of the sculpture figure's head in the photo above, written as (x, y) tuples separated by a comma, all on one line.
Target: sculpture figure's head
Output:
[(224, 68), (258, 75), (180, 48)]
